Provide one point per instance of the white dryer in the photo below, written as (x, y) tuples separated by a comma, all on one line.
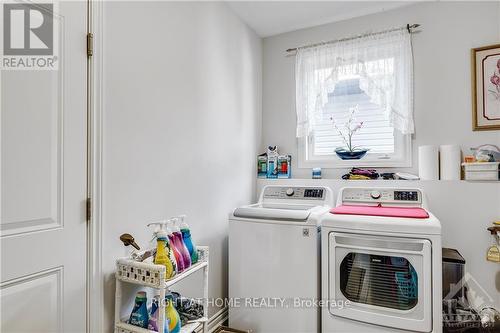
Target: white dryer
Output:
[(274, 260), (381, 263)]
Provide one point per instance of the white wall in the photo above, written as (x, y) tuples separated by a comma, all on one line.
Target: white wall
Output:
[(465, 210), (442, 73), (182, 118)]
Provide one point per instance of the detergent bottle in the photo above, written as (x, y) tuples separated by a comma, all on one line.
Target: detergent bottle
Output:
[(186, 236), (175, 248), (154, 315), (139, 316), (163, 254), (171, 315), (186, 256)]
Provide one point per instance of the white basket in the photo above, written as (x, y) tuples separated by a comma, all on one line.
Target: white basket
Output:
[(481, 175), (481, 166), (481, 171), (151, 275)]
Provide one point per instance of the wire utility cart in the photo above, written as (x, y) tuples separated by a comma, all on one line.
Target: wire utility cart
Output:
[(149, 275)]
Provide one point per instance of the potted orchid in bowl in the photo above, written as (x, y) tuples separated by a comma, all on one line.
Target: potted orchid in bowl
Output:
[(346, 132)]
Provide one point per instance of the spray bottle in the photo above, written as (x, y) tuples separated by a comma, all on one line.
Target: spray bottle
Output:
[(180, 243), (186, 236), (163, 249), (175, 248), (127, 240)]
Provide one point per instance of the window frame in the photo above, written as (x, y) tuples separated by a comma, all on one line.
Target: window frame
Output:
[(403, 159)]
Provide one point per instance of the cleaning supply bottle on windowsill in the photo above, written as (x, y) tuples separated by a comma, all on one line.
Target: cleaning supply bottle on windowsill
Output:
[(186, 257), (188, 241)]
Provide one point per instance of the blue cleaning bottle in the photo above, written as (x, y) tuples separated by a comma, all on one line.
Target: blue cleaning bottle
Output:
[(188, 241), (139, 316), (154, 316)]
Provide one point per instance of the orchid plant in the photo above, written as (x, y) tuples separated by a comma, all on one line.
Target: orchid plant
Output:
[(349, 128), (495, 80)]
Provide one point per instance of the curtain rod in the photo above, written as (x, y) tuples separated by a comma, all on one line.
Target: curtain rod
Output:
[(408, 27)]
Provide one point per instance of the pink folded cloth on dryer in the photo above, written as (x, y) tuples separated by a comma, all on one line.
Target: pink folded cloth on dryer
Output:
[(409, 212)]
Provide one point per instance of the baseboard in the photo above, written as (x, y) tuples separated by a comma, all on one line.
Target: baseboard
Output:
[(216, 320)]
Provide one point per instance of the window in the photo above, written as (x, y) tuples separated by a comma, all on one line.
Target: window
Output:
[(371, 75), (387, 147)]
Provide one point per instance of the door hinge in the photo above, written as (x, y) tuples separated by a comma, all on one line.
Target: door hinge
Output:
[(90, 44), (88, 212)]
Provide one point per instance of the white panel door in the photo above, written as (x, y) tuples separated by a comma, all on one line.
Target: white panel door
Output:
[(43, 186)]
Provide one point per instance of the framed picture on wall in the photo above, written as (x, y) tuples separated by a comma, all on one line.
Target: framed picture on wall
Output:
[(486, 88)]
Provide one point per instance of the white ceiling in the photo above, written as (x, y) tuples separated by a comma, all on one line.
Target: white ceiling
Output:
[(270, 18)]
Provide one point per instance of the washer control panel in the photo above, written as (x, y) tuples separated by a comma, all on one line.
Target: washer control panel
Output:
[(406, 195), (410, 197), (294, 192)]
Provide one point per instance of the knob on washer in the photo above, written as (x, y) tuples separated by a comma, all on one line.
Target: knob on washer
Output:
[(289, 192), (375, 194)]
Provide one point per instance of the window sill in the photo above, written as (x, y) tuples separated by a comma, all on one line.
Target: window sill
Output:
[(343, 164), (402, 159)]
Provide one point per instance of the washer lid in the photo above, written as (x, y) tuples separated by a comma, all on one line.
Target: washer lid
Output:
[(408, 212), (381, 224), (299, 213)]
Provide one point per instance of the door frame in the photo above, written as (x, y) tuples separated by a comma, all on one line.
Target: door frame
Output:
[(95, 279)]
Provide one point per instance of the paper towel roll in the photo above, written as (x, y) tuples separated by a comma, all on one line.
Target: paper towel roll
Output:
[(450, 157), (428, 162)]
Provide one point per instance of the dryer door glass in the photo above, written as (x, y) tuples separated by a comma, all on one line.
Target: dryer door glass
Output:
[(385, 281)]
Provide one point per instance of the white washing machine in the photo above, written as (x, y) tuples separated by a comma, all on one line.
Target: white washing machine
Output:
[(274, 260), (381, 263)]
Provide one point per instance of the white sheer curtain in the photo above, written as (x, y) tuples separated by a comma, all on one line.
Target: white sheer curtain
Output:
[(383, 63)]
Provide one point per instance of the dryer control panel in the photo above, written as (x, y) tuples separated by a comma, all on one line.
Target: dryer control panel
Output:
[(293, 192), (384, 196)]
